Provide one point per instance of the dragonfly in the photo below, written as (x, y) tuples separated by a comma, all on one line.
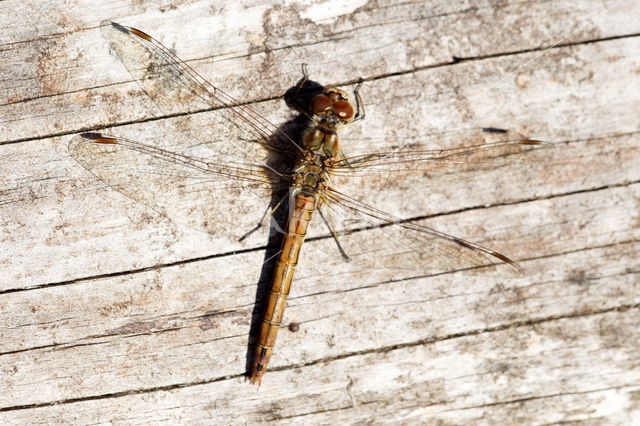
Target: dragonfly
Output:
[(216, 171)]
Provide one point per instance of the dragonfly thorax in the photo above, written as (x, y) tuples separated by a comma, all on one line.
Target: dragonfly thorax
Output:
[(322, 138), (311, 180), (311, 171), (330, 109)]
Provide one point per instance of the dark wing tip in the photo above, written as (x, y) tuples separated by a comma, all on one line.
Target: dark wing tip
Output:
[(495, 254), (508, 261), (130, 30), (118, 26), (532, 142), (98, 138)]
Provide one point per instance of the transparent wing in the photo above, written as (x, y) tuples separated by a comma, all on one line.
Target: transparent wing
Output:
[(188, 190), (222, 166), (371, 169), (177, 88), (383, 242)]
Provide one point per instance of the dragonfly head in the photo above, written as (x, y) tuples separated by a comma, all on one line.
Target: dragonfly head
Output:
[(333, 102)]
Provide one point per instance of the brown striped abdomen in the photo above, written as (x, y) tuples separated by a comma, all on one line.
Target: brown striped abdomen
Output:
[(296, 229)]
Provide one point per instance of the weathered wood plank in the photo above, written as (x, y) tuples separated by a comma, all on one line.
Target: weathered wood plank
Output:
[(99, 325), (461, 379)]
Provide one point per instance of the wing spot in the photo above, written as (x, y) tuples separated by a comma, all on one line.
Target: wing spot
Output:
[(98, 138), (140, 34)]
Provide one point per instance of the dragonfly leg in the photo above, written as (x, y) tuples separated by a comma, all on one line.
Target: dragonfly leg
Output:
[(359, 104), (330, 226), (268, 213)]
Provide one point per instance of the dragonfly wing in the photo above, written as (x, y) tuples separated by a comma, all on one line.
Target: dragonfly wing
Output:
[(374, 170), (185, 189), (232, 129), (383, 242)]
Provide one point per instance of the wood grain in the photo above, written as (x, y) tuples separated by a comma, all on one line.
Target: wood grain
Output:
[(112, 313)]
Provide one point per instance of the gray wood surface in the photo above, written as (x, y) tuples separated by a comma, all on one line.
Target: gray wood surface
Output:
[(112, 313)]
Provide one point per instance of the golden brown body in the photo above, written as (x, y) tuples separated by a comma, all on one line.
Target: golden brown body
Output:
[(329, 110), (294, 235)]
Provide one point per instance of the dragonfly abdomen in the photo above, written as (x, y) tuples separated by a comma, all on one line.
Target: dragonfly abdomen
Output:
[(304, 204)]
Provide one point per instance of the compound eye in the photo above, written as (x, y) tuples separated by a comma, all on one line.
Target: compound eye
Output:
[(320, 103), (343, 110)]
